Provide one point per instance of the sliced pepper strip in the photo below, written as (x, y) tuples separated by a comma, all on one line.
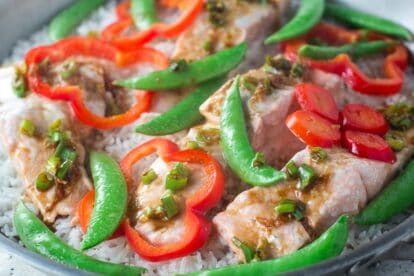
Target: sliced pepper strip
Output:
[(73, 94), (342, 65), (197, 227), (161, 146), (113, 32)]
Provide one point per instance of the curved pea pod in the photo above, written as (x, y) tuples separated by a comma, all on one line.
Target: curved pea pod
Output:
[(395, 198), (367, 21), (308, 15), (38, 238), (235, 143), (328, 245), (193, 73), (184, 115), (355, 49), (143, 13), (110, 199), (63, 24)]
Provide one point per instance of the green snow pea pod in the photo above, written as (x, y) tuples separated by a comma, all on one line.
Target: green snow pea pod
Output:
[(63, 24), (395, 198), (110, 199), (328, 245), (193, 73), (143, 13), (367, 21), (184, 115), (308, 15), (35, 235), (236, 147), (355, 49)]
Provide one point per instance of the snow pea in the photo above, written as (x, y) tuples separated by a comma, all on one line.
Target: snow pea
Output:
[(236, 147), (35, 235), (308, 15), (110, 199), (367, 21), (184, 115), (63, 24), (328, 245), (395, 198), (143, 13), (193, 73), (355, 49)]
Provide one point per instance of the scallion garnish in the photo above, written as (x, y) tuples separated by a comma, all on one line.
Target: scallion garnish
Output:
[(400, 115), (395, 140), (68, 157), (52, 165), (44, 181), (291, 207), (27, 128), (292, 169), (19, 83), (149, 176), (248, 252), (318, 154), (177, 178), (168, 204), (307, 176), (192, 145), (68, 69)]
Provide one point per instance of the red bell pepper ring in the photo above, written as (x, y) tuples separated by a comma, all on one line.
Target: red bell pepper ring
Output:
[(73, 94), (342, 65), (114, 32), (163, 147), (85, 208), (197, 227)]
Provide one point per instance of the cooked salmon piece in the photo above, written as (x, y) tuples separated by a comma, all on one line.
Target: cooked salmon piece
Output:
[(30, 154), (239, 21)]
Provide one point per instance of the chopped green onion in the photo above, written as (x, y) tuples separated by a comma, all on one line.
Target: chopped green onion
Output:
[(216, 12), (208, 136), (248, 252), (279, 62), (69, 68), (192, 145), (44, 181), (19, 84), (297, 70), (27, 128), (318, 154), (307, 176), (292, 169), (178, 65), (169, 205), (258, 160), (291, 207), (177, 178), (52, 165), (148, 177), (395, 140), (55, 125), (400, 115), (250, 83), (155, 213), (68, 156), (286, 206)]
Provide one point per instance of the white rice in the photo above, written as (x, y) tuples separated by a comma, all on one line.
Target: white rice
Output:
[(118, 143)]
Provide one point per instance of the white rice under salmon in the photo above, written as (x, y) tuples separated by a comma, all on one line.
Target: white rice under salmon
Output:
[(117, 143)]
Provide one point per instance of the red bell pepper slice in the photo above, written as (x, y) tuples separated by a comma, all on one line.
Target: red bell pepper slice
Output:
[(163, 147), (113, 32), (85, 208), (313, 130), (363, 118), (368, 145), (312, 97), (73, 94), (197, 227), (342, 65)]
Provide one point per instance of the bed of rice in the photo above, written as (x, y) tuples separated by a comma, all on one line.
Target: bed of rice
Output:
[(117, 143)]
